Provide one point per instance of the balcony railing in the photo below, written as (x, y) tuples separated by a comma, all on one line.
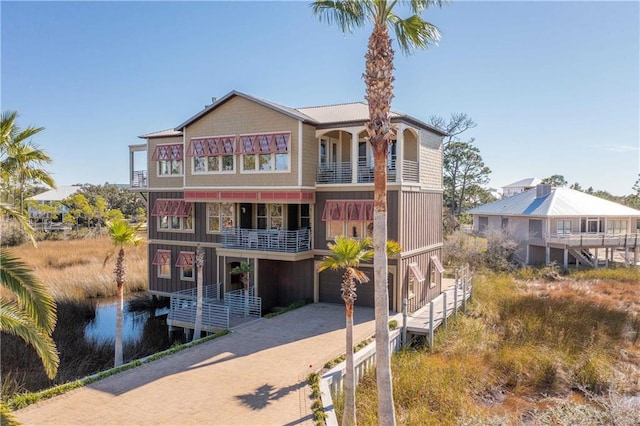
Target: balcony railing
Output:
[(342, 172), (595, 240), (139, 179), (273, 240)]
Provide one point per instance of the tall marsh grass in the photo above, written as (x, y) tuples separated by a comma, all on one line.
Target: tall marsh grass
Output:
[(75, 269), (519, 351)]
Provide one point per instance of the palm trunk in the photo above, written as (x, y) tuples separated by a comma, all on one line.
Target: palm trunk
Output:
[(120, 307), (118, 352), (197, 328), (379, 85), (349, 415)]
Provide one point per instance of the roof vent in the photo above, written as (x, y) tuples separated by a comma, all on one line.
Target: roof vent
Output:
[(213, 100), (542, 190)]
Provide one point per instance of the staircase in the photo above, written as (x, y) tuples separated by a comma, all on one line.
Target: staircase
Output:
[(583, 256)]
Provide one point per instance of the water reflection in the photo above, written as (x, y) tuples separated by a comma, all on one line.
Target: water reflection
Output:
[(103, 327)]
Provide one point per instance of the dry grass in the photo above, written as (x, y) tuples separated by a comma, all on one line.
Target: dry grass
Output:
[(526, 352), (73, 269)]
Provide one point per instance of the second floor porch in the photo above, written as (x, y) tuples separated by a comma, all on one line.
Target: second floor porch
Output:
[(588, 239)]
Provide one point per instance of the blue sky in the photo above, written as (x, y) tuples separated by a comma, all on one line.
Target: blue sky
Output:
[(553, 86)]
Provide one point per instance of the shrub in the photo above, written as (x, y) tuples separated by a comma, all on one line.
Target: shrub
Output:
[(12, 234)]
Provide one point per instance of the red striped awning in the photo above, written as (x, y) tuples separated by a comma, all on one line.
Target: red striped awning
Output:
[(210, 146), (162, 257), (185, 258), (416, 272), (265, 143), (167, 152), (171, 207), (353, 210)]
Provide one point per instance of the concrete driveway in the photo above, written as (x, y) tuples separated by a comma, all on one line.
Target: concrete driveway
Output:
[(255, 375)]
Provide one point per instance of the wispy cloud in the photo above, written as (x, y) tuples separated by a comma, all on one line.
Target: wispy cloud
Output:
[(620, 148)]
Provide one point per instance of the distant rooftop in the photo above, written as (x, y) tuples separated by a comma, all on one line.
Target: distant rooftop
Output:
[(58, 194)]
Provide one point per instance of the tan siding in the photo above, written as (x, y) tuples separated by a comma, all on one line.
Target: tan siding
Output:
[(430, 159), (309, 155), (241, 116), (154, 180)]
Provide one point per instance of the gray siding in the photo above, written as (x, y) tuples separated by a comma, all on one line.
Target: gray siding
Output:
[(421, 220), (168, 285), (329, 288), (423, 292)]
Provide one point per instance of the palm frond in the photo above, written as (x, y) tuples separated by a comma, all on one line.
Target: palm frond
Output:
[(414, 32), (32, 296), (15, 321), (347, 14), (122, 233)]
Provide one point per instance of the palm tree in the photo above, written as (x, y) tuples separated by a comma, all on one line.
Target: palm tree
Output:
[(121, 234), (347, 253), (29, 312), (21, 160), (244, 269), (412, 32), (197, 328)]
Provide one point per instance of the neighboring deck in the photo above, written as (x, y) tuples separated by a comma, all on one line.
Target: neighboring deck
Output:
[(589, 240)]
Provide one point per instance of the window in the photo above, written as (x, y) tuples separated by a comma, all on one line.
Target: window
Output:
[(269, 216), (352, 218), (415, 276), (212, 154), (592, 225), (436, 268), (305, 218), (616, 226), (220, 216), (505, 223), (162, 260), (265, 152), (563, 227), (185, 263), (169, 158), (483, 222), (173, 214)]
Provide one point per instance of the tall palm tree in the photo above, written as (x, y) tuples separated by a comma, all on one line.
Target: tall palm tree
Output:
[(122, 234), (29, 311), (347, 254), (412, 32), (21, 160)]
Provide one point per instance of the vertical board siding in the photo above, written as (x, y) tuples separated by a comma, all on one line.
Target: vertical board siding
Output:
[(423, 292), (174, 283), (422, 220), (330, 282), (283, 283)]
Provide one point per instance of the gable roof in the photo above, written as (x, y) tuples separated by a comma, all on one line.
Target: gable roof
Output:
[(524, 182), (161, 134), (291, 112), (318, 115), (58, 194), (559, 202)]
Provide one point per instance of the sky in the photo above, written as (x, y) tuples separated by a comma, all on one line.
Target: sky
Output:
[(553, 86)]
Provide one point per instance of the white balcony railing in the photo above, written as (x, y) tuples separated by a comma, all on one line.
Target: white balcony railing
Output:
[(595, 239)]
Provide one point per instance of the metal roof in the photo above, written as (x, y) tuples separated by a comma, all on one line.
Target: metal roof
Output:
[(162, 134), (558, 203), (57, 194), (340, 113), (524, 182)]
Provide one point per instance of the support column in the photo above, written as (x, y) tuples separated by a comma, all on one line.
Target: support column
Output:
[(565, 259), (595, 262), (626, 256), (526, 256), (399, 152), (354, 157), (547, 255)]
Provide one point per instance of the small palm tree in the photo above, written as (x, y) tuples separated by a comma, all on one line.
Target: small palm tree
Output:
[(121, 234), (347, 254), (244, 269), (412, 32), (197, 328)]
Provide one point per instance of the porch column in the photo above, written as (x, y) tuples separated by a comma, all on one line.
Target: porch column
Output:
[(399, 152), (354, 155), (547, 255), (606, 256), (635, 255), (626, 256), (565, 259), (526, 256), (595, 264)]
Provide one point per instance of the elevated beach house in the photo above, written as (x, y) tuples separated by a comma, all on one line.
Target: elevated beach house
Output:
[(264, 184), (563, 225)]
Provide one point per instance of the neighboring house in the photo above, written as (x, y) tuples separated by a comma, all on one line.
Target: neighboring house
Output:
[(253, 181), (53, 200), (520, 186), (562, 225)]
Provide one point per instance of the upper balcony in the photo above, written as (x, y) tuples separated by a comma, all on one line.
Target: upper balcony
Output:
[(273, 240), (138, 177), (344, 173)]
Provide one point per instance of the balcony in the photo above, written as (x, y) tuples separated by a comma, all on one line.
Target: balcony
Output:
[(274, 240), (139, 179), (137, 160), (629, 240), (342, 173)]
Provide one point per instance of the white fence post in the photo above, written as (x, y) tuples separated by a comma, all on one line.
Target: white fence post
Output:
[(431, 323), (444, 309)]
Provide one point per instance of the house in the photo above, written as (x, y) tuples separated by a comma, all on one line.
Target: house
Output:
[(249, 180), (53, 200), (520, 186), (562, 225)]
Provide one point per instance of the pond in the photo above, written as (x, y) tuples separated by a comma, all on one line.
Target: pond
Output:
[(102, 328)]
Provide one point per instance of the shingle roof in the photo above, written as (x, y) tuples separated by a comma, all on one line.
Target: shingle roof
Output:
[(559, 202), (57, 194)]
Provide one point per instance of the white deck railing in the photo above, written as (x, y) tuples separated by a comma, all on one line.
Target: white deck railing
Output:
[(595, 240)]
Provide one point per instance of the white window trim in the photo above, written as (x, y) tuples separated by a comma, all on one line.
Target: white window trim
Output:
[(168, 264), (256, 169), (346, 232), (168, 175), (193, 269), (182, 229), (220, 217), (214, 172)]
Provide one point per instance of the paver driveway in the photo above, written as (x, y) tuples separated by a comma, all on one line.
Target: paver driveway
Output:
[(255, 375)]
